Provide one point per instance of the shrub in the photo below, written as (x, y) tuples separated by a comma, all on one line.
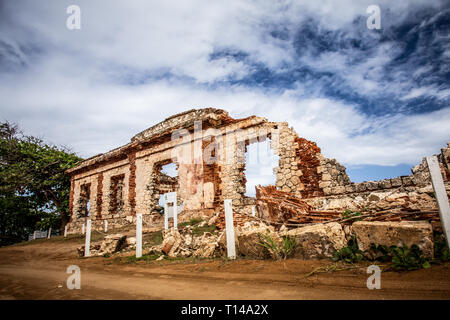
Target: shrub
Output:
[(402, 258), (441, 251), (282, 250), (349, 254)]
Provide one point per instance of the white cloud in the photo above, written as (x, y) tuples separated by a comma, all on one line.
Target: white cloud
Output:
[(74, 92)]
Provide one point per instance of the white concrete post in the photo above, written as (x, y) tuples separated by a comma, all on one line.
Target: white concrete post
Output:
[(87, 244), (34, 235), (441, 195), (166, 215), (49, 233), (65, 230), (175, 214), (139, 235), (253, 211), (229, 226), (106, 225), (82, 229)]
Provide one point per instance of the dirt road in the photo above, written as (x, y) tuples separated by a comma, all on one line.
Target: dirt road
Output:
[(38, 271)]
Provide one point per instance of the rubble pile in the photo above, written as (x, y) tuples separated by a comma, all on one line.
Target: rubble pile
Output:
[(314, 241), (278, 206), (183, 243)]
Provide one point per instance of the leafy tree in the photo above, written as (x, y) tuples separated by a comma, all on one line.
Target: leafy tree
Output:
[(34, 190)]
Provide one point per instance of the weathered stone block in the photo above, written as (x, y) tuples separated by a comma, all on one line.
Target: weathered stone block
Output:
[(318, 241), (360, 187), (324, 184), (248, 240), (350, 188), (393, 233), (339, 190), (385, 184), (396, 182), (407, 180)]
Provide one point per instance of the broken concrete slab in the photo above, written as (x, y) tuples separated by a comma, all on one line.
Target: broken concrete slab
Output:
[(394, 234)]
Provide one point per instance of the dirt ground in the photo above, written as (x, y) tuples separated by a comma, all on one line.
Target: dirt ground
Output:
[(37, 270)]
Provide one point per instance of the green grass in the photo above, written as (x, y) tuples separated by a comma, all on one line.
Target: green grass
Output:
[(198, 231), (145, 257), (153, 239), (191, 222), (348, 214)]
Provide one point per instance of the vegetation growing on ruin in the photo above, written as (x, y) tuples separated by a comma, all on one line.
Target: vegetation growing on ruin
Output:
[(278, 249), (191, 222), (441, 251), (155, 238), (349, 254), (350, 214), (402, 258)]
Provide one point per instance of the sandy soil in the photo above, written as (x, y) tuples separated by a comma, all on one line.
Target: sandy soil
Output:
[(37, 270)]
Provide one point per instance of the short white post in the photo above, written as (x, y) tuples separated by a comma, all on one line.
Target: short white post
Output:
[(139, 235), (166, 216), (441, 195), (253, 211), (49, 233), (229, 226), (106, 225), (65, 230), (87, 244), (175, 214), (34, 235), (82, 229)]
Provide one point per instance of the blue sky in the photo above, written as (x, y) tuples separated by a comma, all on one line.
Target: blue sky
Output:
[(376, 100)]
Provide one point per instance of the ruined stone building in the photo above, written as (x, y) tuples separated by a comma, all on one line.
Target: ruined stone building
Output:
[(208, 148)]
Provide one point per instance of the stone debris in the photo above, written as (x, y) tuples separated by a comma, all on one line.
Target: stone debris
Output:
[(111, 244), (394, 234), (315, 241), (278, 206)]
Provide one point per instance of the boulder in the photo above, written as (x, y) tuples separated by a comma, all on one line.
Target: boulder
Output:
[(249, 239), (318, 241), (394, 233), (113, 243)]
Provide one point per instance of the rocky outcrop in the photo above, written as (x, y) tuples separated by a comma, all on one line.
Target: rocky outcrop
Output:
[(394, 234), (318, 241)]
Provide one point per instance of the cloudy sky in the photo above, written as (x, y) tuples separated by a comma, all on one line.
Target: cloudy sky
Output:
[(376, 100)]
